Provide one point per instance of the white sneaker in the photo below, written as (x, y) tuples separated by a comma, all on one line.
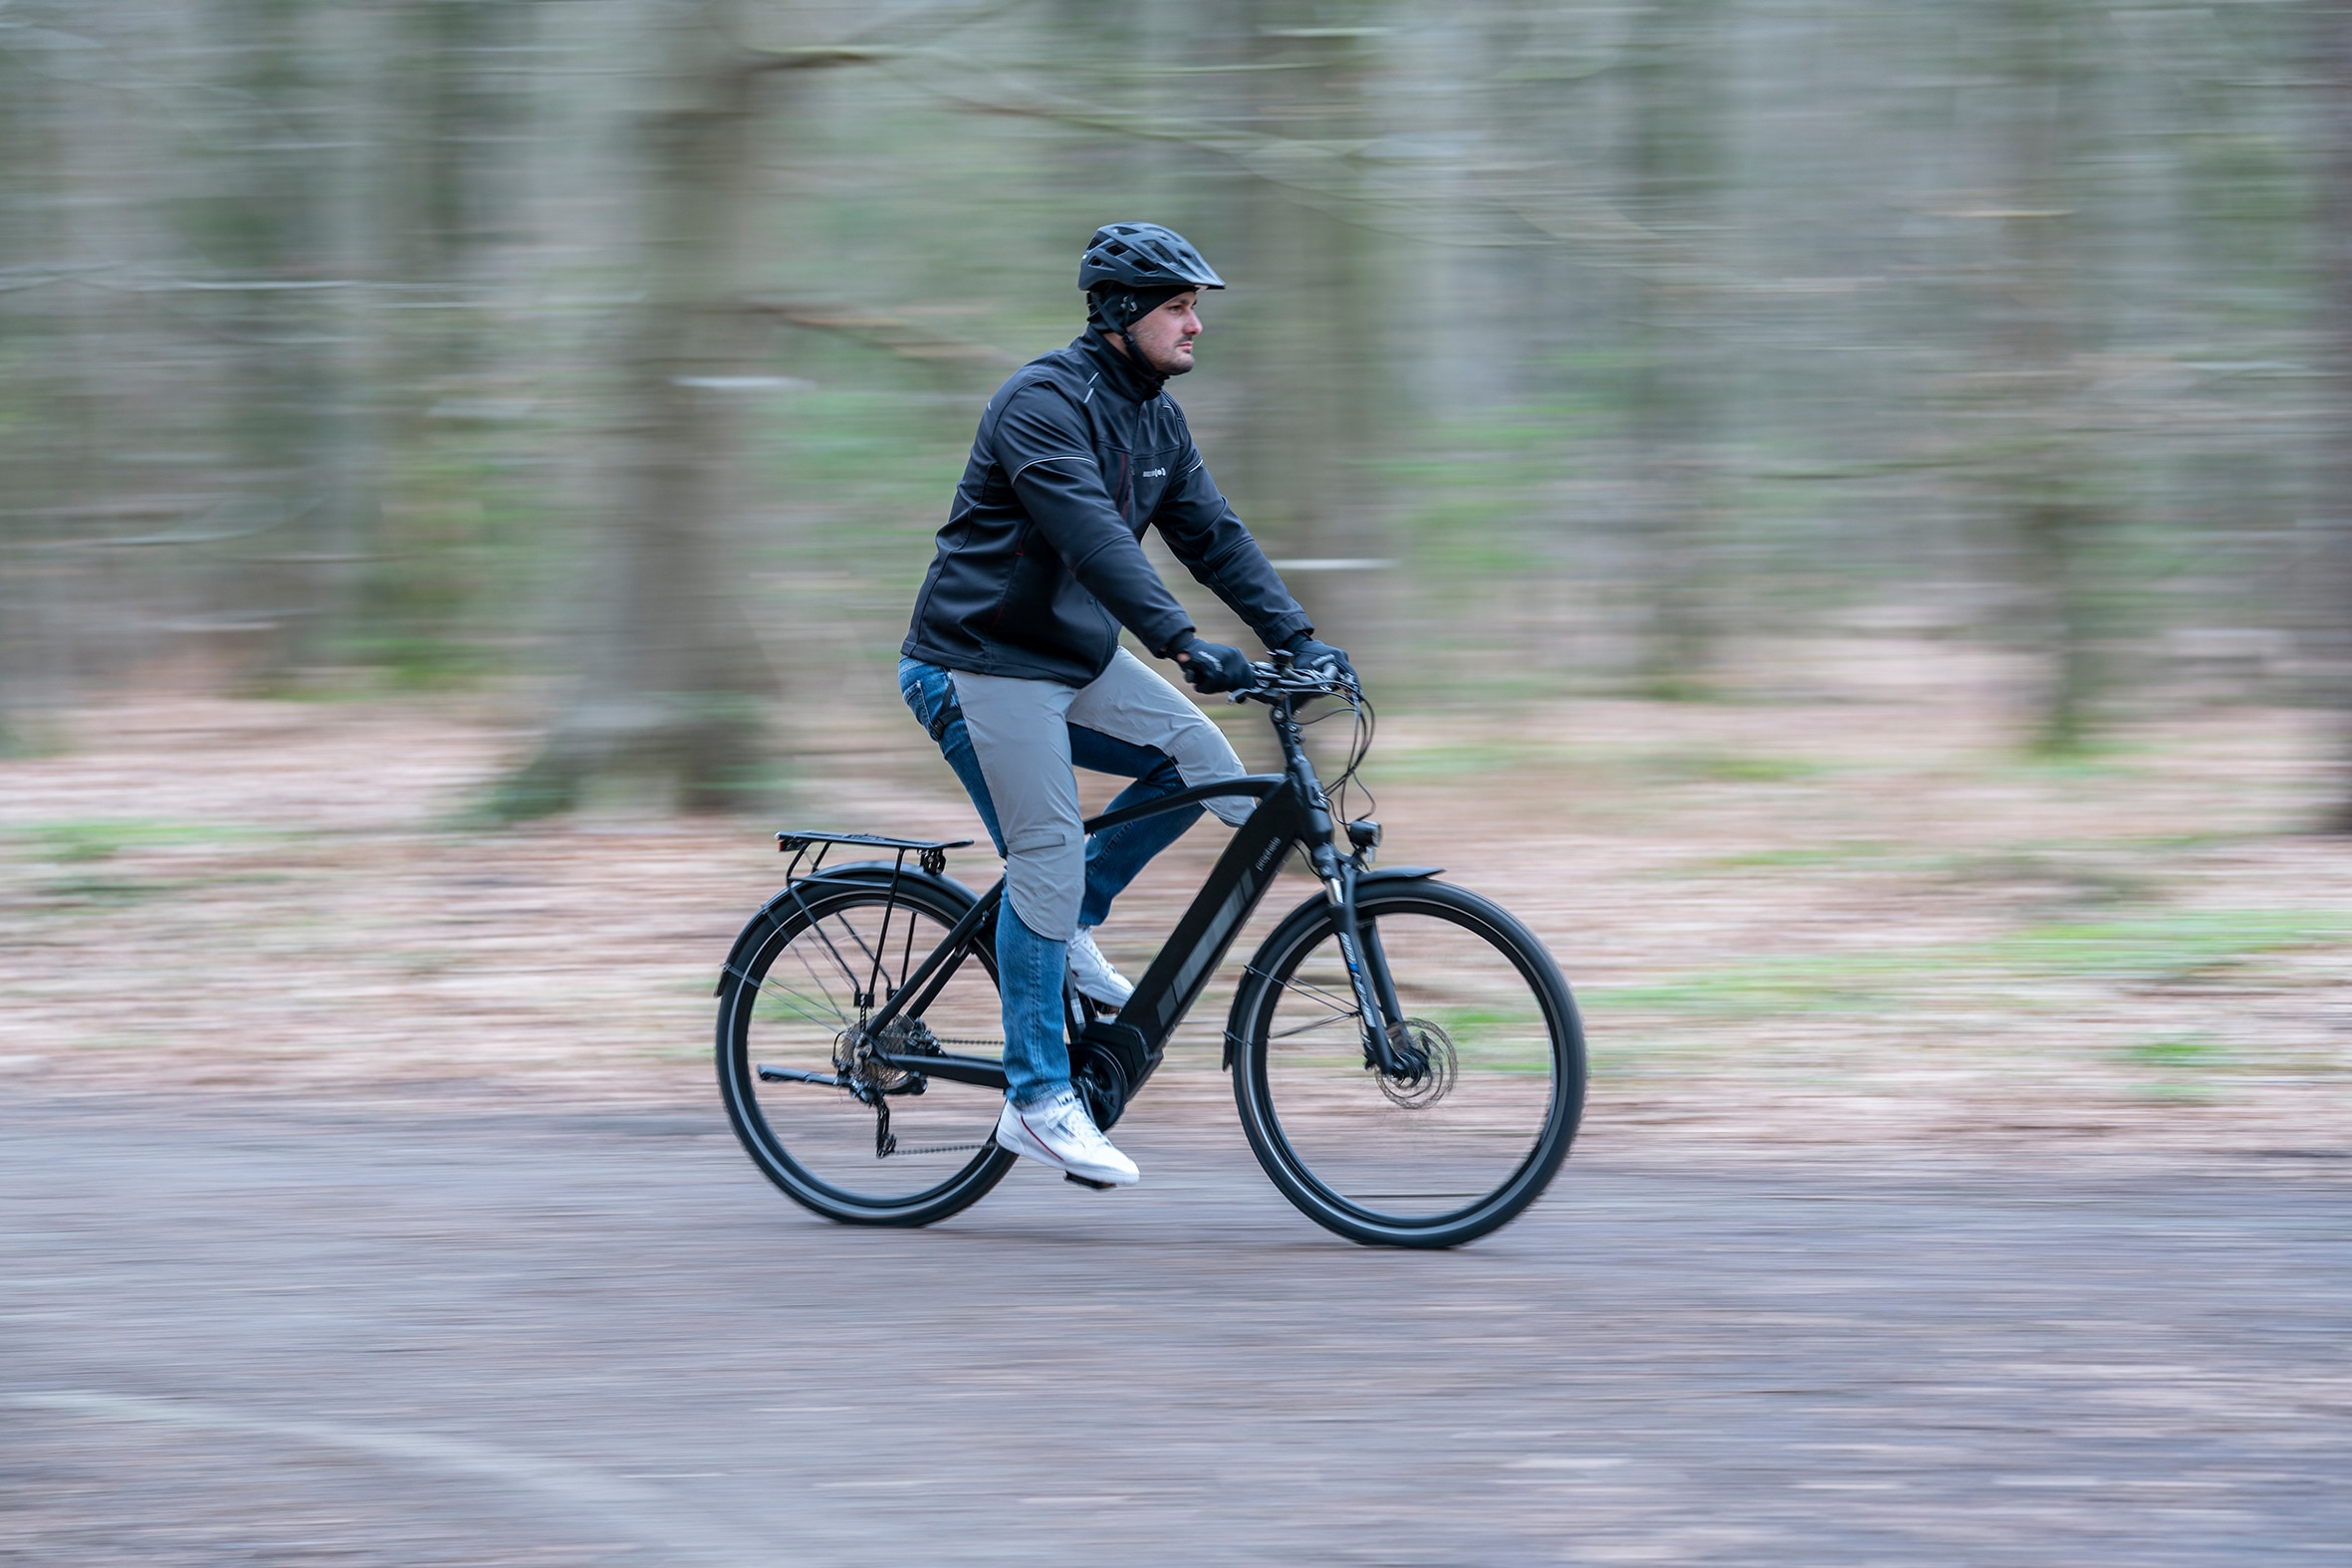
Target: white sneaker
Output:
[(1059, 1132), (1096, 980)]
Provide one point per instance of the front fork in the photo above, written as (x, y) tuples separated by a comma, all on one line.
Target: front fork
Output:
[(1387, 1046), (1380, 1014)]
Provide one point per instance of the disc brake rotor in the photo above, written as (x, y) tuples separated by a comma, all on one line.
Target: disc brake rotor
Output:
[(1422, 1039)]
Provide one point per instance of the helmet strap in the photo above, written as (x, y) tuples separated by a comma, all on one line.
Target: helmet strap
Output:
[(1119, 310)]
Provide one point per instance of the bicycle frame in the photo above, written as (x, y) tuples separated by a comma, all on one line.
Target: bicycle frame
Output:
[(1293, 811)]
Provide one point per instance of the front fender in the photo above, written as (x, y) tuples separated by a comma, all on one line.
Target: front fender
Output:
[(1397, 873), (857, 873), (1245, 995)]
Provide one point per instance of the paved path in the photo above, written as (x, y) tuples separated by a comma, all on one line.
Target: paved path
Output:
[(284, 1333)]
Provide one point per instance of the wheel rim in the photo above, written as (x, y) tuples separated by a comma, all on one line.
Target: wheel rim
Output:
[(796, 1010), (1426, 1156)]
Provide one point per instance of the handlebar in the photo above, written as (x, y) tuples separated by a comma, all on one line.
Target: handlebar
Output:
[(1281, 678)]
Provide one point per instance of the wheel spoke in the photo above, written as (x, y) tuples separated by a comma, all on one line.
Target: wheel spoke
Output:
[(801, 951), (1317, 1024), (1329, 998), (779, 992), (815, 927), (874, 960)]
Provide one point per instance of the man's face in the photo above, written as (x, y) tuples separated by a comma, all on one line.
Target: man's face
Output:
[(1164, 337)]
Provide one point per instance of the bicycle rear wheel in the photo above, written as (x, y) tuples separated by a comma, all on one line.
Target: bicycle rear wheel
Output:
[(1427, 1164), (842, 1134)]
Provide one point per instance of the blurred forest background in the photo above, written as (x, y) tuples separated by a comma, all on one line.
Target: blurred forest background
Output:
[(634, 347)]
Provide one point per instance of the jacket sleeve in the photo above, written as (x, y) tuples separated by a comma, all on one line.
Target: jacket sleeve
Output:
[(1216, 547), (1041, 442)]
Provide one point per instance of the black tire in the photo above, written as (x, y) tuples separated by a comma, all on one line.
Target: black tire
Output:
[(1424, 1165), (785, 1001)]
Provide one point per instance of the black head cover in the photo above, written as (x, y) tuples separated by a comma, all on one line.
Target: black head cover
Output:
[(1143, 256)]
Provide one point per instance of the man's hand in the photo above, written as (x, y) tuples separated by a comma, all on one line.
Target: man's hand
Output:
[(1306, 653), (1212, 666)]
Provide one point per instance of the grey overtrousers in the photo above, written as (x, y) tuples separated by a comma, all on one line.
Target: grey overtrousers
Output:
[(1019, 733)]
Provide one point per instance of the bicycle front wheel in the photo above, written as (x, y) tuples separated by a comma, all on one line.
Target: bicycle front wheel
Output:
[(854, 1139), (1446, 1157)]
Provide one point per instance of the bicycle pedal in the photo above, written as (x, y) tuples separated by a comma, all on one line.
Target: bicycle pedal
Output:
[(1073, 1176)]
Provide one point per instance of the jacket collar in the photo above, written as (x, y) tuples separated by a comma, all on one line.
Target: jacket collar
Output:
[(1125, 377)]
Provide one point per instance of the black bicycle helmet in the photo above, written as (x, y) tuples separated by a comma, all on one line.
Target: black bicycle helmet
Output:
[(1144, 256), (1131, 269)]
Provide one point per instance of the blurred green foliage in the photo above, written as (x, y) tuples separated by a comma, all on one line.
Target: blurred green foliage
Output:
[(2158, 947), (1568, 346)]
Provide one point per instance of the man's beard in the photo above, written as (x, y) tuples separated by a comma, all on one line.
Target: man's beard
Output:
[(1171, 365)]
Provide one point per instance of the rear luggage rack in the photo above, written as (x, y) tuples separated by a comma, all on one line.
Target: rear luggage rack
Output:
[(930, 854)]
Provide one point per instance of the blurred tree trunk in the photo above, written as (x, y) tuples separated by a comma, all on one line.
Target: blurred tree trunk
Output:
[(37, 401), (2052, 488), (1308, 418), (2335, 62), (266, 225), (669, 683), (464, 105), (1673, 169), (451, 112)]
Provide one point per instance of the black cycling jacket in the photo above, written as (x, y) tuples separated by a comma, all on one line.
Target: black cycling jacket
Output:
[(1042, 558)]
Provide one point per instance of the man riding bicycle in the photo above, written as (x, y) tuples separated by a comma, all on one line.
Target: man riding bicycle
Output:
[(1013, 662)]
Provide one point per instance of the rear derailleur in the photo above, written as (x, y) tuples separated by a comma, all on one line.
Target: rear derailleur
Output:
[(872, 1081)]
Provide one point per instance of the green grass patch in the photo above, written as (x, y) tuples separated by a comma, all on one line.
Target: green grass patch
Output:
[(2189, 1050), (1462, 760), (2153, 949), (1843, 982), (2167, 947), (2185, 1069), (1497, 1039), (80, 856), (1803, 858), (2097, 762), (83, 843), (1730, 768), (99, 891)]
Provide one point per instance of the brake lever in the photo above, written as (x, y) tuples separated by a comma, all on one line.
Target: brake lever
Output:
[(1274, 678), (1263, 675)]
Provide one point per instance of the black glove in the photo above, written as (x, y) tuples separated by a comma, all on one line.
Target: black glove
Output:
[(1306, 653), (1212, 666)]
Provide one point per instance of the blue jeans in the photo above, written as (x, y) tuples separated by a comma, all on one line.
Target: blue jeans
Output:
[(1030, 965)]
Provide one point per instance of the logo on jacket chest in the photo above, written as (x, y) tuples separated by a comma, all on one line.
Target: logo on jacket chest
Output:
[(1155, 473)]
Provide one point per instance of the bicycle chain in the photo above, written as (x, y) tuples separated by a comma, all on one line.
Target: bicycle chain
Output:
[(938, 1148), (951, 1148)]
